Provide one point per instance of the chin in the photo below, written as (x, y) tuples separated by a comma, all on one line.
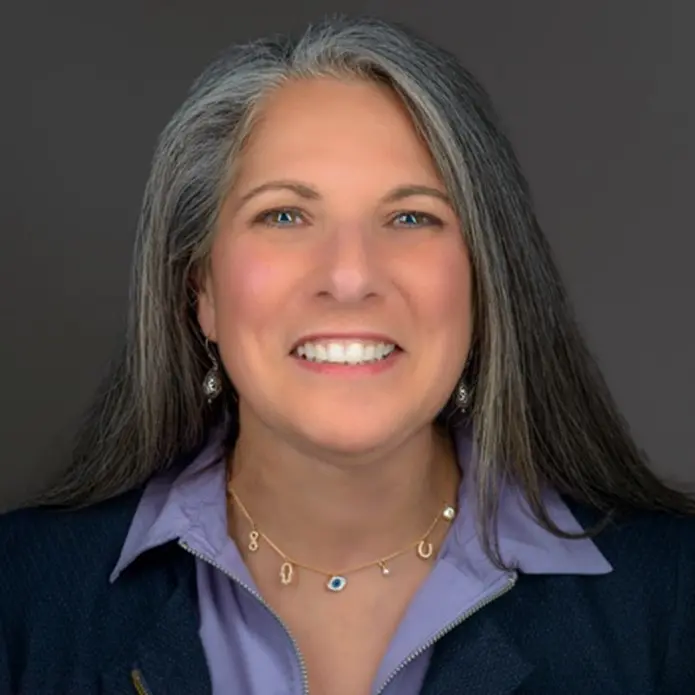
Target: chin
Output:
[(350, 435)]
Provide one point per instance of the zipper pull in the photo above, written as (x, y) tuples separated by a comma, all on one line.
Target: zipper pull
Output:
[(139, 682)]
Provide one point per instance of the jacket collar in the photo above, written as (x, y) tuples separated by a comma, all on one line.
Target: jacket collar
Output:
[(486, 661), (167, 657)]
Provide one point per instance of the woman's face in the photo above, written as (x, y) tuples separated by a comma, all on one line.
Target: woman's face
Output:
[(339, 288)]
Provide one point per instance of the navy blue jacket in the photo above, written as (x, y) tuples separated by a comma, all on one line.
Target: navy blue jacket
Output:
[(65, 629)]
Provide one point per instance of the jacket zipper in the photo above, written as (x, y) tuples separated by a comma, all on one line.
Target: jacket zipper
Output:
[(511, 581), (139, 683), (255, 594)]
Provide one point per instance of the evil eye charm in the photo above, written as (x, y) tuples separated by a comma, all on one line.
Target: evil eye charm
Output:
[(336, 583)]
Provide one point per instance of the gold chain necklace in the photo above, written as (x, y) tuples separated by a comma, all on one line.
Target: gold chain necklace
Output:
[(337, 581)]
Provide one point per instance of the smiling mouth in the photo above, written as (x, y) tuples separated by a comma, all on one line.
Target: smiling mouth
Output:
[(349, 352)]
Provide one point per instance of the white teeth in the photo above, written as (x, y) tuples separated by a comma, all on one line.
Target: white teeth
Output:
[(336, 353), (354, 353), (345, 351)]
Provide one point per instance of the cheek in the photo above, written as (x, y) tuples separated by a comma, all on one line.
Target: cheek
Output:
[(249, 287), (440, 289)]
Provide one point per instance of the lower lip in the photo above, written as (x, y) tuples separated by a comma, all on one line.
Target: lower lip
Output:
[(356, 370)]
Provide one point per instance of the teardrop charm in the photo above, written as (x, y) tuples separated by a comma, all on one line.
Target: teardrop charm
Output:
[(286, 573), (212, 384), (385, 571), (425, 549), (336, 583)]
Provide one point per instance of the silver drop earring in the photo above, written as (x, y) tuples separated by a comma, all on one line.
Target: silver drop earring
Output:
[(212, 383), (462, 396)]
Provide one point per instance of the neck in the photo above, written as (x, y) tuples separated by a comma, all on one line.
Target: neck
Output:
[(335, 511)]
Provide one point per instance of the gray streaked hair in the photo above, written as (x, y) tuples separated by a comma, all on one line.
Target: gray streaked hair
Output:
[(542, 413)]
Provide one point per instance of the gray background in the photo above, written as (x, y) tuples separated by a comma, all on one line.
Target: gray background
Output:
[(597, 95)]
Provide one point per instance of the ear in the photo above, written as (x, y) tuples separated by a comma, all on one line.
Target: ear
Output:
[(205, 303)]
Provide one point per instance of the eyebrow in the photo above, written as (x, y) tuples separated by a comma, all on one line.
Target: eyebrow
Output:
[(309, 193)]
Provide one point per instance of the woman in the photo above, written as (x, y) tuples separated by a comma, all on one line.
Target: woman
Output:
[(356, 443)]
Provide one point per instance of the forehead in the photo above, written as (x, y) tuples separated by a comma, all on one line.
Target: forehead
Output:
[(318, 125)]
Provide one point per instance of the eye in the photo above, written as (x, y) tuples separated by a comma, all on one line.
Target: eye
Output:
[(279, 217), (413, 218)]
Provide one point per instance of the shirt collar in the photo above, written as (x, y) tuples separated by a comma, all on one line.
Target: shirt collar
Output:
[(191, 500), (523, 543)]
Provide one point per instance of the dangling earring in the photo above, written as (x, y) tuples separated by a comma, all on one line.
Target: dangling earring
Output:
[(212, 383), (462, 396)]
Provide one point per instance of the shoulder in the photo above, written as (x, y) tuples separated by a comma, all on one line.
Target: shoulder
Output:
[(646, 548), (39, 535), (45, 543), (657, 540), (652, 585), (59, 613), (47, 552), (26, 518)]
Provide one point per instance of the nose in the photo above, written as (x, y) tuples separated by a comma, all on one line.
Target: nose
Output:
[(350, 266)]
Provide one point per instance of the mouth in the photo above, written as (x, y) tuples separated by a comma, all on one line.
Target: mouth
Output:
[(346, 351)]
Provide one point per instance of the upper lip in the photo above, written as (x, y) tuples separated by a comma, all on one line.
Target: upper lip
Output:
[(344, 335)]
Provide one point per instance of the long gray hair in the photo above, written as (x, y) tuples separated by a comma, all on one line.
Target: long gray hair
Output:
[(542, 413)]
